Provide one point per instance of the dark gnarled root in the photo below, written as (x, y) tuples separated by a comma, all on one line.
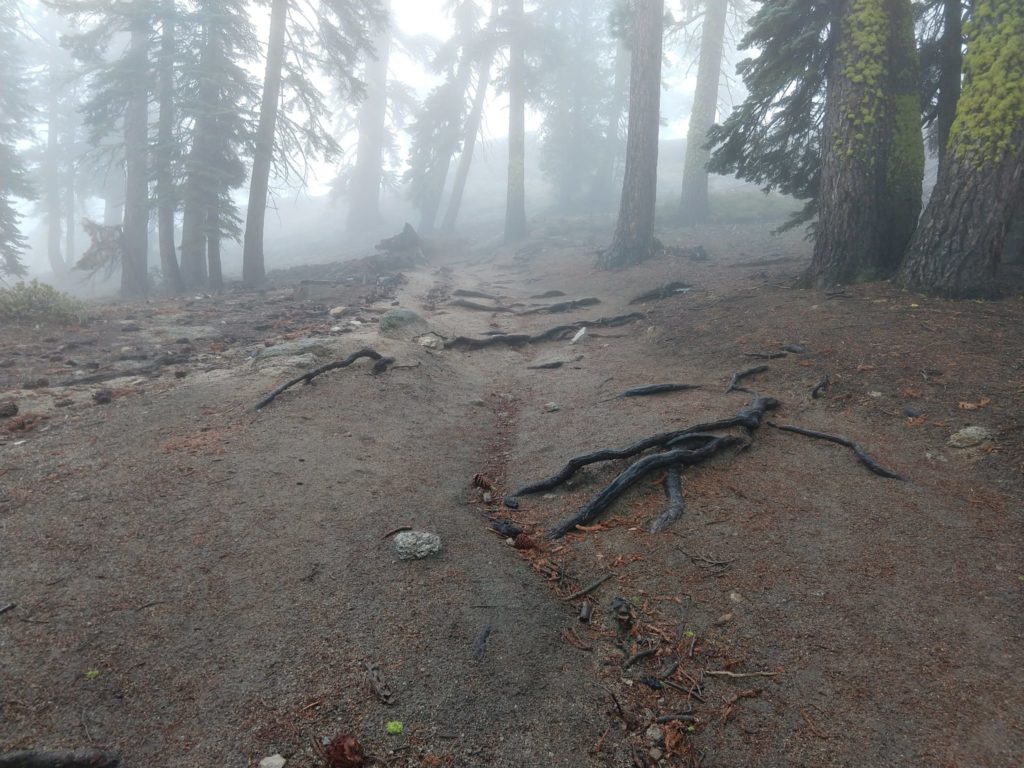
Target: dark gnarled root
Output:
[(379, 366), (859, 452), (86, 758), (676, 501)]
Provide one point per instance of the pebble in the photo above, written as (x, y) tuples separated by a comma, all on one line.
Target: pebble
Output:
[(655, 735), (655, 753), (736, 597), (969, 437), (274, 761), (416, 545), (725, 618), (8, 408), (338, 311), (102, 396), (552, 407)]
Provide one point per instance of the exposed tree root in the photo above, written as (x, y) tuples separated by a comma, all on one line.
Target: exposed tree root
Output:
[(636, 472), (469, 294), (676, 502), (86, 758), (820, 387), (379, 366), (859, 452), (145, 370), (558, 333), (657, 389), (562, 306), (663, 292), (467, 304), (740, 375)]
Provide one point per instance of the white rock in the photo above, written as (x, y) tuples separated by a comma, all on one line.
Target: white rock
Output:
[(274, 761), (416, 545), (969, 437), (338, 311), (552, 407), (580, 337), (430, 341)]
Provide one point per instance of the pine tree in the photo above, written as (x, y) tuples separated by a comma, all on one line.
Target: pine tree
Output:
[(960, 240), (515, 204), (15, 113), (167, 150), (634, 239), (305, 37)]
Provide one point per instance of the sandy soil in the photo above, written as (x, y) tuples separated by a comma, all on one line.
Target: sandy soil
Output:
[(199, 584)]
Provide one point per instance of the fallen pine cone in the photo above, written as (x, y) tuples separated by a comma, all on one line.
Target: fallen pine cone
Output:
[(483, 481), (522, 541), (344, 752)]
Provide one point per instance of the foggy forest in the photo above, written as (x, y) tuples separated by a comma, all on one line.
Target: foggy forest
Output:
[(436, 383)]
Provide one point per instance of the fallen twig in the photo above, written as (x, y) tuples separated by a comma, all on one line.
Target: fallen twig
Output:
[(859, 452), (682, 717), (676, 501), (399, 529), (766, 355), (657, 389), (638, 656), (379, 366), (480, 644), (9, 607), (663, 292), (740, 375), (590, 588), (730, 705), (738, 675)]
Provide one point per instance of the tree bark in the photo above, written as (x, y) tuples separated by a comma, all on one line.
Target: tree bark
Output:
[(253, 267), (473, 123), (70, 193), (135, 256), (957, 247), (873, 150), (694, 201), (634, 233), (51, 165), (364, 193), (515, 205), (213, 248), (165, 195), (197, 192), (113, 195), (952, 70)]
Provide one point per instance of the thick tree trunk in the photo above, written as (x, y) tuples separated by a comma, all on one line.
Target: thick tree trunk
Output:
[(515, 204), (253, 267), (70, 197), (165, 195), (952, 69), (213, 249), (603, 193), (634, 234), (873, 150), (962, 235), (473, 123), (694, 201), (135, 256), (113, 195), (197, 190), (364, 194)]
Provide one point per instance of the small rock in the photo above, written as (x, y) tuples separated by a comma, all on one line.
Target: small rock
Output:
[(655, 753), (8, 408), (42, 383), (130, 328), (397, 320), (416, 545), (180, 374), (63, 402), (477, 402), (102, 397), (912, 412), (969, 437), (552, 407), (875, 395), (736, 597), (725, 618), (338, 311), (430, 341), (488, 497), (274, 761), (655, 735), (580, 337)]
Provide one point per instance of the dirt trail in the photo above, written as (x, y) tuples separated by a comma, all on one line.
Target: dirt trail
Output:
[(224, 574)]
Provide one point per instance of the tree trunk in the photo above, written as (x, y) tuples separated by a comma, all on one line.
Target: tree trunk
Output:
[(70, 198), (135, 256), (515, 204), (113, 195), (51, 165), (197, 190), (364, 193), (213, 248), (694, 202), (253, 268), (952, 69), (957, 247), (165, 195), (468, 144), (603, 193), (634, 234), (873, 150)]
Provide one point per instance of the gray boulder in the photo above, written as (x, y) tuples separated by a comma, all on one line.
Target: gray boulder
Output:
[(416, 545)]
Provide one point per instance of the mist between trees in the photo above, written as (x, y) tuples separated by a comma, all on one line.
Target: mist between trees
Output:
[(168, 143)]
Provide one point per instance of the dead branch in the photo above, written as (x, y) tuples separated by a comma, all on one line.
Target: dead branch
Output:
[(86, 758), (676, 502), (740, 375), (859, 452), (657, 389), (656, 294), (379, 366), (766, 355), (590, 588), (738, 675), (558, 333), (638, 656), (682, 717)]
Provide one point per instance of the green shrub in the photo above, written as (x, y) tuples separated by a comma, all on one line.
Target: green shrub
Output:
[(27, 303)]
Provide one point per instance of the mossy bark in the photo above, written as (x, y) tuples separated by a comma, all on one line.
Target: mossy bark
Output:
[(873, 162), (957, 248), (634, 233)]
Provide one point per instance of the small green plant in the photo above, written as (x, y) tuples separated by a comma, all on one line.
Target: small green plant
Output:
[(395, 727), (27, 303), (92, 674)]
